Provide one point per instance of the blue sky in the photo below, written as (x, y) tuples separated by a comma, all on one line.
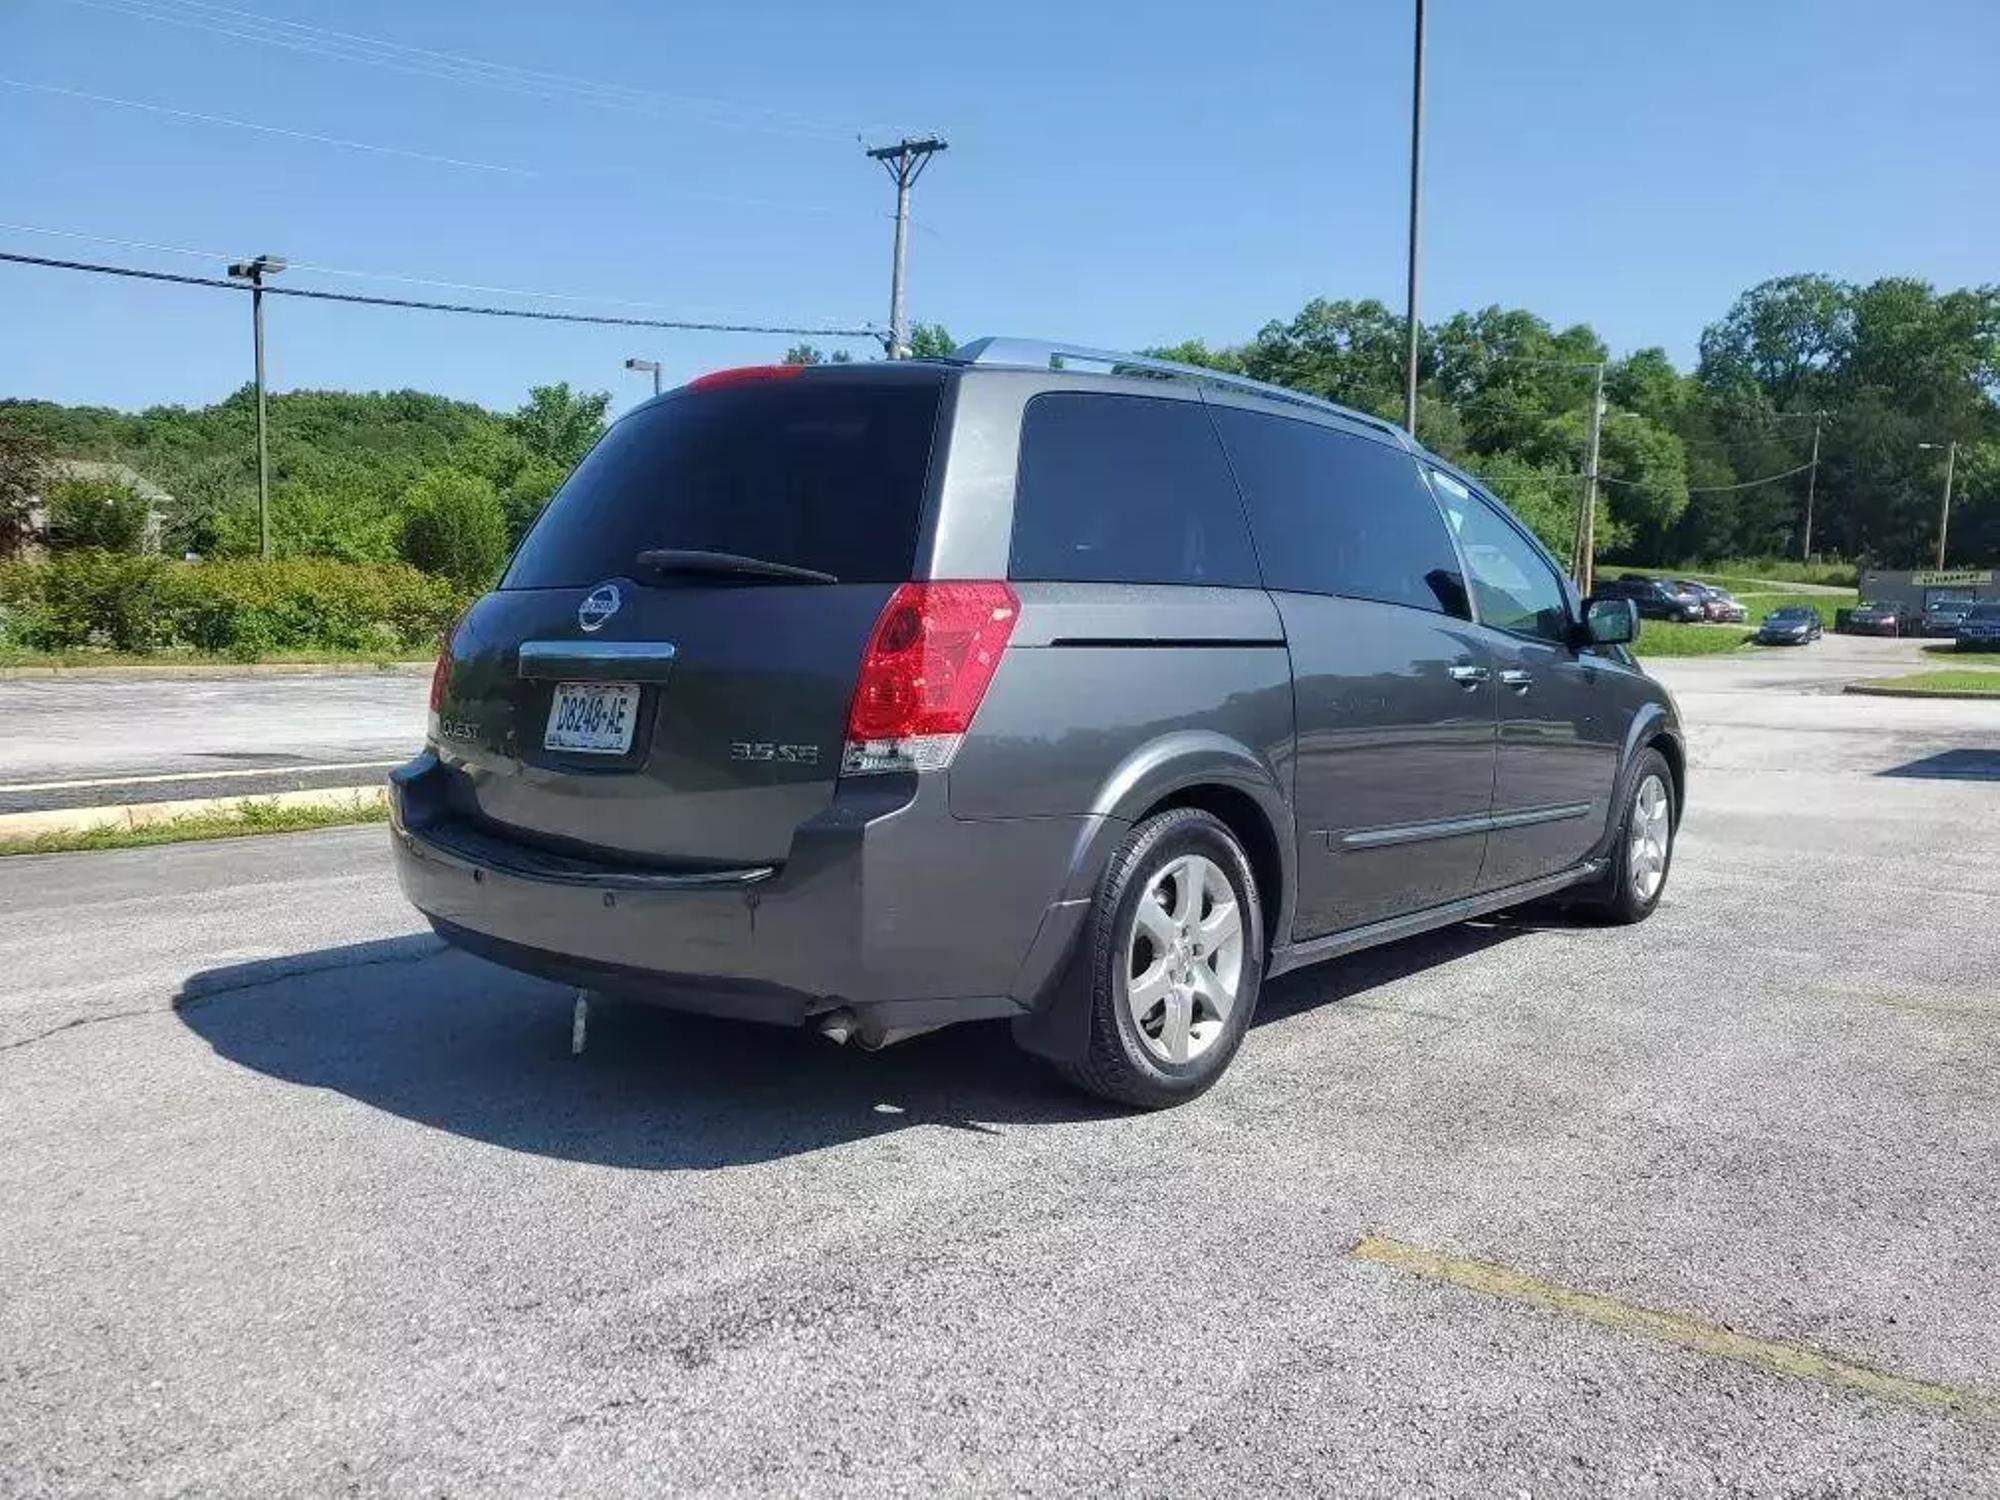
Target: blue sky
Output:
[(1119, 174)]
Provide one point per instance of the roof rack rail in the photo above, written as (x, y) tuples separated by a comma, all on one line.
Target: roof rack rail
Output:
[(1040, 354)]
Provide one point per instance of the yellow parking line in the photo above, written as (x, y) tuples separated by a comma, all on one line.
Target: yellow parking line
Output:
[(1689, 1333)]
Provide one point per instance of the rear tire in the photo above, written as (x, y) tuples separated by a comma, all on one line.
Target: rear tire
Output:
[(1175, 948), (1642, 851)]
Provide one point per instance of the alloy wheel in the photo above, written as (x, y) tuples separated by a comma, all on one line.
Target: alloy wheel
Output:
[(1184, 959), (1652, 835)]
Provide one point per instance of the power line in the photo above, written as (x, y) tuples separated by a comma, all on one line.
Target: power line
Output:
[(534, 314), (364, 275), (1717, 489), (298, 135), (377, 52)]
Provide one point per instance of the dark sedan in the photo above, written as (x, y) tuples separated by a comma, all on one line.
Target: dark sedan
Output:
[(1657, 599), (1980, 629), (1793, 625), (1879, 619)]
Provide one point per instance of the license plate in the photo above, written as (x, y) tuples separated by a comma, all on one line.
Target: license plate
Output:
[(593, 718)]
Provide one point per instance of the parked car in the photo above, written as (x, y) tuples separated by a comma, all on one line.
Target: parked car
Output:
[(1980, 629), (1656, 599), (876, 697), (1881, 619), (1794, 625), (1718, 605), (1726, 608), (1941, 616)]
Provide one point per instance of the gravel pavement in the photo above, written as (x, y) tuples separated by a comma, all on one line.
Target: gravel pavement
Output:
[(293, 1201)]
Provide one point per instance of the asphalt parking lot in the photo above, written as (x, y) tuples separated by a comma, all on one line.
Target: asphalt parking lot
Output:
[(293, 1201)]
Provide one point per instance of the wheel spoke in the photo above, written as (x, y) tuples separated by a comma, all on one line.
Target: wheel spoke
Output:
[(1155, 923), (1216, 996), (1221, 924), (1176, 1025), (1149, 989)]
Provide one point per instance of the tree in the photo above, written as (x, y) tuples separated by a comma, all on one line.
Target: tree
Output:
[(526, 494), (453, 527), (23, 459), (106, 514), (931, 341), (559, 424), (804, 354), (1782, 335)]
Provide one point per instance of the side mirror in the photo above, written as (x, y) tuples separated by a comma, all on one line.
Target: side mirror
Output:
[(1610, 622)]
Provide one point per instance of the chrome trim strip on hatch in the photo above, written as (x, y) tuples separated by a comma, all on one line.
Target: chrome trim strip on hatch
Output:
[(635, 661)]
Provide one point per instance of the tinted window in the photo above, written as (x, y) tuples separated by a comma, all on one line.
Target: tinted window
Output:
[(825, 474), (1335, 513), (1126, 489), (1513, 584)]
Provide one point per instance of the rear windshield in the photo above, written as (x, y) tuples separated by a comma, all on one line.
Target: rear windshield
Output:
[(822, 474)]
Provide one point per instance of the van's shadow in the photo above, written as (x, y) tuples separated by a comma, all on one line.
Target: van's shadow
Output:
[(436, 1037)]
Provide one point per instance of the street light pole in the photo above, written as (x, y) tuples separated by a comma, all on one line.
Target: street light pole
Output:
[(1944, 509), (643, 366), (1416, 225), (254, 272)]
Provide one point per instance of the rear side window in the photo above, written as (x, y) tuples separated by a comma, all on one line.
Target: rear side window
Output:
[(1126, 489), (1335, 513), (823, 474)]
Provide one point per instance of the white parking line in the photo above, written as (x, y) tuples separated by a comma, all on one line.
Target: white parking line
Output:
[(170, 776)]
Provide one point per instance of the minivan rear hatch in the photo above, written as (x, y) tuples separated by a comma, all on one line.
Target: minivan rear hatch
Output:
[(665, 671)]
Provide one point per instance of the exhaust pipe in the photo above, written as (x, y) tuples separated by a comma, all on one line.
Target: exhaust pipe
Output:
[(843, 1026)]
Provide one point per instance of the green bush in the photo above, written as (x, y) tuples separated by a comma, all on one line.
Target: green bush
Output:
[(453, 525), (240, 608), (96, 513)]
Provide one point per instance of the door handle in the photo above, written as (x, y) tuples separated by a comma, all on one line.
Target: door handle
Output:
[(1518, 681), (1469, 676)]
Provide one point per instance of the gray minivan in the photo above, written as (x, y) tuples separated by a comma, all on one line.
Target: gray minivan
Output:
[(1080, 689)]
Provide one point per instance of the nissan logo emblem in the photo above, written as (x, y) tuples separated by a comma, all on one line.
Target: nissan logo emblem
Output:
[(599, 605)]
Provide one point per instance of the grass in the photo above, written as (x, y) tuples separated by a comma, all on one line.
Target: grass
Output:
[(89, 656), (1754, 574), (1670, 638), (1981, 683), (249, 816)]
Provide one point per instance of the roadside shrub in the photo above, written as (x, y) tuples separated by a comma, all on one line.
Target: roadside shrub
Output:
[(240, 608), (96, 513), (453, 525)]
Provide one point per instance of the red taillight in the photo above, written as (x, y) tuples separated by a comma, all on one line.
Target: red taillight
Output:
[(743, 376), (929, 661), (441, 674)]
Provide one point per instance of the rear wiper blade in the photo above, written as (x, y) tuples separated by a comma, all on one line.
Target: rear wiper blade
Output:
[(727, 564)]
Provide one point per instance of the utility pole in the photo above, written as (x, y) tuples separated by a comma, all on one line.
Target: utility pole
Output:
[(1944, 511), (1416, 225), (1586, 516), (1812, 485), (254, 272), (905, 162)]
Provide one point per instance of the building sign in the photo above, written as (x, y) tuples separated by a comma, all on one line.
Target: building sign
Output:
[(1956, 578)]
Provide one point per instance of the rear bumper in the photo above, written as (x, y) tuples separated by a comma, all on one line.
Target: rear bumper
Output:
[(886, 905)]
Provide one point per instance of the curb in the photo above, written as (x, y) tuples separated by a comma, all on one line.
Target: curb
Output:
[(16, 827), (190, 671), (1961, 694)]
